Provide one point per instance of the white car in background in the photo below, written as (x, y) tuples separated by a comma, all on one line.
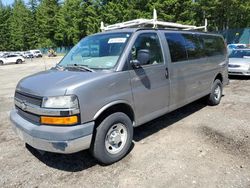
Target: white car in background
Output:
[(28, 54), (36, 53), (231, 47), (11, 58), (239, 62), (3, 54)]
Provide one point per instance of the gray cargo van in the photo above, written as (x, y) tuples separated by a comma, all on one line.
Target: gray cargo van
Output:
[(113, 81)]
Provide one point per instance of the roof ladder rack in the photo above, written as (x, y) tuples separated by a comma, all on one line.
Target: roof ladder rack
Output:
[(154, 23)]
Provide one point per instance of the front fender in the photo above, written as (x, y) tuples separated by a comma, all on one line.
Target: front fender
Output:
[(105, 107)]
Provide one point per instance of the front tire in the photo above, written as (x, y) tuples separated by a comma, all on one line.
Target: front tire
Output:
[(113, 138), (214, 97), (1, 62)]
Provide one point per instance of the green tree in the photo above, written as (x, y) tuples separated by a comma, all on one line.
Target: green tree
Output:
[(47, 23), (20, 24), (33, 42), (76, 19), (32, 5), (168, 10), (5, 14), (50, 23), (224, 14)]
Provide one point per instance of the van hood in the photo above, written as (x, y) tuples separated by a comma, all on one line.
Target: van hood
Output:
[(55, 82)]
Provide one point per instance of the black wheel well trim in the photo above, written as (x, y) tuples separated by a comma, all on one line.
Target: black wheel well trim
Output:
[(219, 77), (118, 106)]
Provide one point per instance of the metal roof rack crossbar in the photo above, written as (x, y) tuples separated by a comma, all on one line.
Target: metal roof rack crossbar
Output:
[(154, 23)]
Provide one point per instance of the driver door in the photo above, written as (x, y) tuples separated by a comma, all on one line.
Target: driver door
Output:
[(149, 81)]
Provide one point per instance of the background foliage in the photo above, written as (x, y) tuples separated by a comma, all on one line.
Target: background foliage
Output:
[(50, 23)]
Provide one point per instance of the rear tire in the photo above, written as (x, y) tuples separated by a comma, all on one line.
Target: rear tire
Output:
[(214, 97), (113, 138), (1, 62), (19, 61)]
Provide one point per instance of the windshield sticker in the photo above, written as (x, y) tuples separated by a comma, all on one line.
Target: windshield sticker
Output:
[(117, 40)]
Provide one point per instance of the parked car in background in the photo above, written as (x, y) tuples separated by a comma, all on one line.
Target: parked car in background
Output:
[(28, 54), (231, 47), (11, 58), (239, 62), (3, 54), (36, 53), (17, 53)]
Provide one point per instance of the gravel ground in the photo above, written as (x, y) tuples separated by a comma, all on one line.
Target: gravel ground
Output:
[(195, 146)]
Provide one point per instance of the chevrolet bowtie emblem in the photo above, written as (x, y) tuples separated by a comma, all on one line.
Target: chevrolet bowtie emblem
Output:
[(23, 105)]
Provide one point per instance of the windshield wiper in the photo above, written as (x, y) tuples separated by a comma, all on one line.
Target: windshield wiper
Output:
[(58, 67), (80, 67)]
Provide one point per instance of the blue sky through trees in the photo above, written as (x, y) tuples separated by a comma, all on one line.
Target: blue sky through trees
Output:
[(10, 2)]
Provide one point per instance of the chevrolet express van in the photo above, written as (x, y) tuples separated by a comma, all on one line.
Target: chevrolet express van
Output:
[(113, 81)]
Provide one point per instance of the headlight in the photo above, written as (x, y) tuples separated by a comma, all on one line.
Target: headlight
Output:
[(69, 101)]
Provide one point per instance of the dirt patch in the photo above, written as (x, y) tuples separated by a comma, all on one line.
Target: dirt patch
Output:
[(239, 147)]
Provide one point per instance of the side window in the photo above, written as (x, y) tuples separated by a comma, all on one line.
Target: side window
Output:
[(176, 44), (220, 45), (209, 45), (193, 46), (213, 45), (150, 43)]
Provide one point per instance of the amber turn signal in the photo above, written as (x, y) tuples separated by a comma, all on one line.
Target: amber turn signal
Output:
[(71, 120)]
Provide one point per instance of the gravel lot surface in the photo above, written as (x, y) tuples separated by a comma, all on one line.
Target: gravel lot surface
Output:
[(195, 146)]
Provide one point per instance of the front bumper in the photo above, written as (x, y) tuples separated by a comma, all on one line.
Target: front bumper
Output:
[(53, 138), (239, 71)]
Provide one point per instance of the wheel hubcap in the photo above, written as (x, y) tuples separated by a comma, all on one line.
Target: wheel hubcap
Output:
[(217, 93), (116, 138)]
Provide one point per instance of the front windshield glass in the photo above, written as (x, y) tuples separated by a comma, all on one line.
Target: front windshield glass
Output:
[(97, 51), (240, 54)]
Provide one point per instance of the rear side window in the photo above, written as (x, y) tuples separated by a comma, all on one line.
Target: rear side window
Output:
[(213, 45), (176, 43), (193, 46)]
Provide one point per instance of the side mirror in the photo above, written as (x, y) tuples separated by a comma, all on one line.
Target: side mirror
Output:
[(135, 64), (143, 58)]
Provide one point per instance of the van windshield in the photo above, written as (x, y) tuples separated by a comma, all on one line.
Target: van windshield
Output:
[(97, 51)]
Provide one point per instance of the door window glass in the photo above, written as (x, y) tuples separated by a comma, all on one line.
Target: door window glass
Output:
[(150, 43)]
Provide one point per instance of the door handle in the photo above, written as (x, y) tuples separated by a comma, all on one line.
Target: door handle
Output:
[(166, 73)]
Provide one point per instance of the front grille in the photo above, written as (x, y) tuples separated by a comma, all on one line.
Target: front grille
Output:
[(239, 73), (31, 99), (28, 116), (35, 100), (233, 66)]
